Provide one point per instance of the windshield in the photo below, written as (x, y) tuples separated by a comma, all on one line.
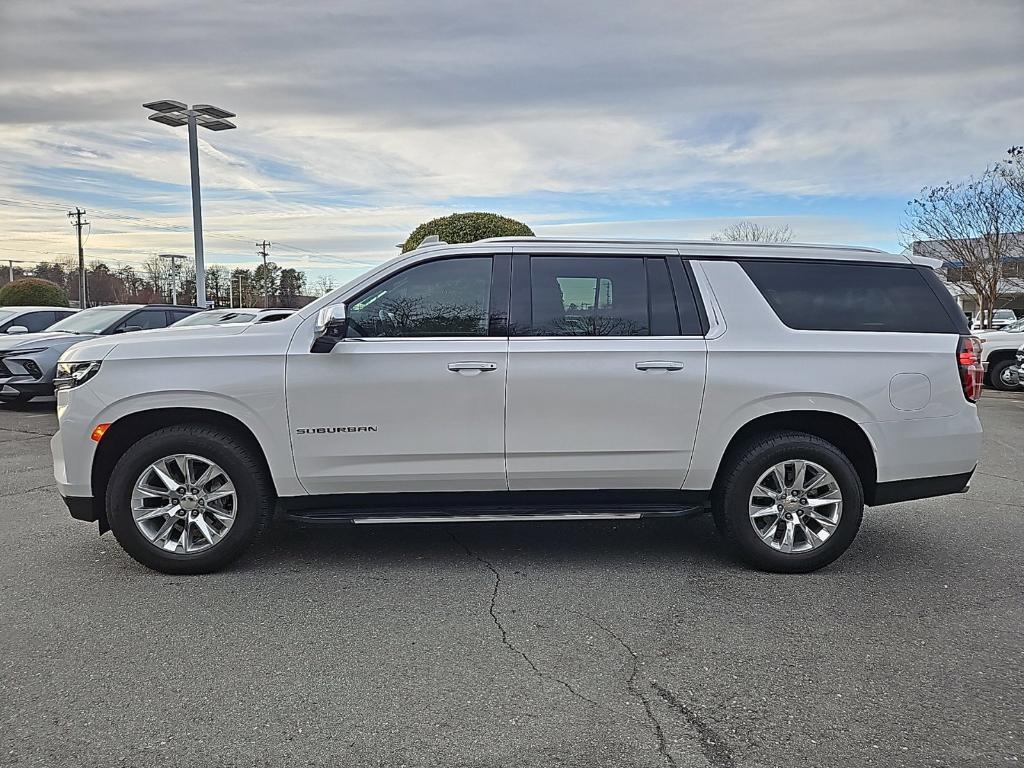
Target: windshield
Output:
[(95, 320), (1004, 314), (1015, 327), (4, 315), (216, 317)]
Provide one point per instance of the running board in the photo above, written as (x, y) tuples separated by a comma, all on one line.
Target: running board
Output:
[(485, 518)]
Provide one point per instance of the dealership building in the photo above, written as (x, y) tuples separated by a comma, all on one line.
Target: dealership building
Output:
[(1011, 286)]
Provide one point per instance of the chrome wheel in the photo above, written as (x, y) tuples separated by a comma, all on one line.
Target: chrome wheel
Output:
[(1008, 378), (795, 506), (184, 503)]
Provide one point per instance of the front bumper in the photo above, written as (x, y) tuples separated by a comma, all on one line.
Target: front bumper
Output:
[(81, 507)]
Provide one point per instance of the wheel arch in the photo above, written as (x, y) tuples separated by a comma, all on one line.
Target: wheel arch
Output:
[(997, 355), (841, 431), (128, 429)]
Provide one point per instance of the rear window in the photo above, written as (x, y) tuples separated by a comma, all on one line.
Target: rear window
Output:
[(824, 296)]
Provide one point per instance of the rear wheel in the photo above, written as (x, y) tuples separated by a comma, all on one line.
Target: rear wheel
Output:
[(789, 502), (999, 375), (188, 499)]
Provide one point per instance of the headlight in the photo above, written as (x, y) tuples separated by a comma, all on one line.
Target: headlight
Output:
[(71, 375)]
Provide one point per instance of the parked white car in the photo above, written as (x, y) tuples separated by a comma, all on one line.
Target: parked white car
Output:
[(16, 320), (999, 353), (1000, 319), (783, 387), (234, 316)]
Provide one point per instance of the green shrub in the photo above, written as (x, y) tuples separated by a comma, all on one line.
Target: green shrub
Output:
[(32, 291), (467, 228)]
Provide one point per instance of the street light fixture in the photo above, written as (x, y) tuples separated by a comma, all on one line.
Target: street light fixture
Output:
[(176, 114)]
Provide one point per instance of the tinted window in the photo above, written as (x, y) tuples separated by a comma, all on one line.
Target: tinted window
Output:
[(820, 296), (450, 297), (144, 320), (588, 296), (178, 314), (36, 321)]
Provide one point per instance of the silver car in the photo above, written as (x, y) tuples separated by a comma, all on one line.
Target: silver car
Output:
[(16, 320), (28, 361)]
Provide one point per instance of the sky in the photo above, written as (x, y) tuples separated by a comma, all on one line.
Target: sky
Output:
[(359, 120)]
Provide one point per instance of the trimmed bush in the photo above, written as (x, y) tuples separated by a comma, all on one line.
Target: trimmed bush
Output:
[(32, 291), (467, 228)]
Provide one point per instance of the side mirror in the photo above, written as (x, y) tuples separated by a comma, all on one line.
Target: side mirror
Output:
[(331, 327), (17, 329)]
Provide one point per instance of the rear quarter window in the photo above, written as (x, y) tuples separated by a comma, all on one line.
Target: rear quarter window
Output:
[(825, 296)]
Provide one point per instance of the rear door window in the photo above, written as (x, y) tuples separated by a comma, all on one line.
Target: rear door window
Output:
[(589, 296), (828, 296)]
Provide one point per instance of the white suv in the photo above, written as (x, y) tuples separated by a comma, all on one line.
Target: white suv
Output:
[(781, 387)]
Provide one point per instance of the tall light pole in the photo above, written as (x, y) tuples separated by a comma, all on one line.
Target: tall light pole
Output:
[(176, 114)]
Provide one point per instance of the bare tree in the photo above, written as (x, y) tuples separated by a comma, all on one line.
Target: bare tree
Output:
[(324, 285), (1013, 172), (975, 226), (752, 232)]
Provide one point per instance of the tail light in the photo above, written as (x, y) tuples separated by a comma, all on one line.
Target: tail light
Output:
[(968, 359)]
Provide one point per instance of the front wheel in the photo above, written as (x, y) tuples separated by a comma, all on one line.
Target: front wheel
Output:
[(789, 502), (1001, 377), (188, 499)]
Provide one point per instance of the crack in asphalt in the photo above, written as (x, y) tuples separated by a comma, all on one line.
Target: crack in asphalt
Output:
[(659, 732), (715, 750), (25, 490), (505, 639), (27, 432), (1001, 477)]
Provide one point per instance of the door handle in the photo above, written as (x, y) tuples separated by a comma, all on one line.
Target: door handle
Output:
[(659, 365), (471, 365)]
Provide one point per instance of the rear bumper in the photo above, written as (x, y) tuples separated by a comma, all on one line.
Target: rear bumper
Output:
[(919, 488)]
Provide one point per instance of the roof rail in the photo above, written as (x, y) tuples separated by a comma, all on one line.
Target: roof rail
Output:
[(671, 242)]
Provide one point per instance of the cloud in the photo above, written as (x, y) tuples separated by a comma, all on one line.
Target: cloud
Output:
[(359, 120)]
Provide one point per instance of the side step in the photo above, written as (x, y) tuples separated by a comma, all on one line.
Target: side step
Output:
[(493, 506), (492, 518)]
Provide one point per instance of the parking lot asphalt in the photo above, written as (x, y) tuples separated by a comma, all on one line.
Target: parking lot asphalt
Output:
[(517, 644)]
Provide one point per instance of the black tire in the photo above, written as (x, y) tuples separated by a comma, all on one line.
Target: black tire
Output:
[(995, 373), (743, 469), (239, 459)]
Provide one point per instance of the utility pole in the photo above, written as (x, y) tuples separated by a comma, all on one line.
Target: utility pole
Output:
[(83, 299), (262, 249), (231, 293), (173, 274), (10, 267), (241, 296)]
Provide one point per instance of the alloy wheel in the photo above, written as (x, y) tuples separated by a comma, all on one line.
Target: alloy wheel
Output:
[(184, 503), (795, 506)]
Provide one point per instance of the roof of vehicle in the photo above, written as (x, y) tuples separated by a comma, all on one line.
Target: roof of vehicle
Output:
[(36, 309), (708, 248), (126, 307)]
